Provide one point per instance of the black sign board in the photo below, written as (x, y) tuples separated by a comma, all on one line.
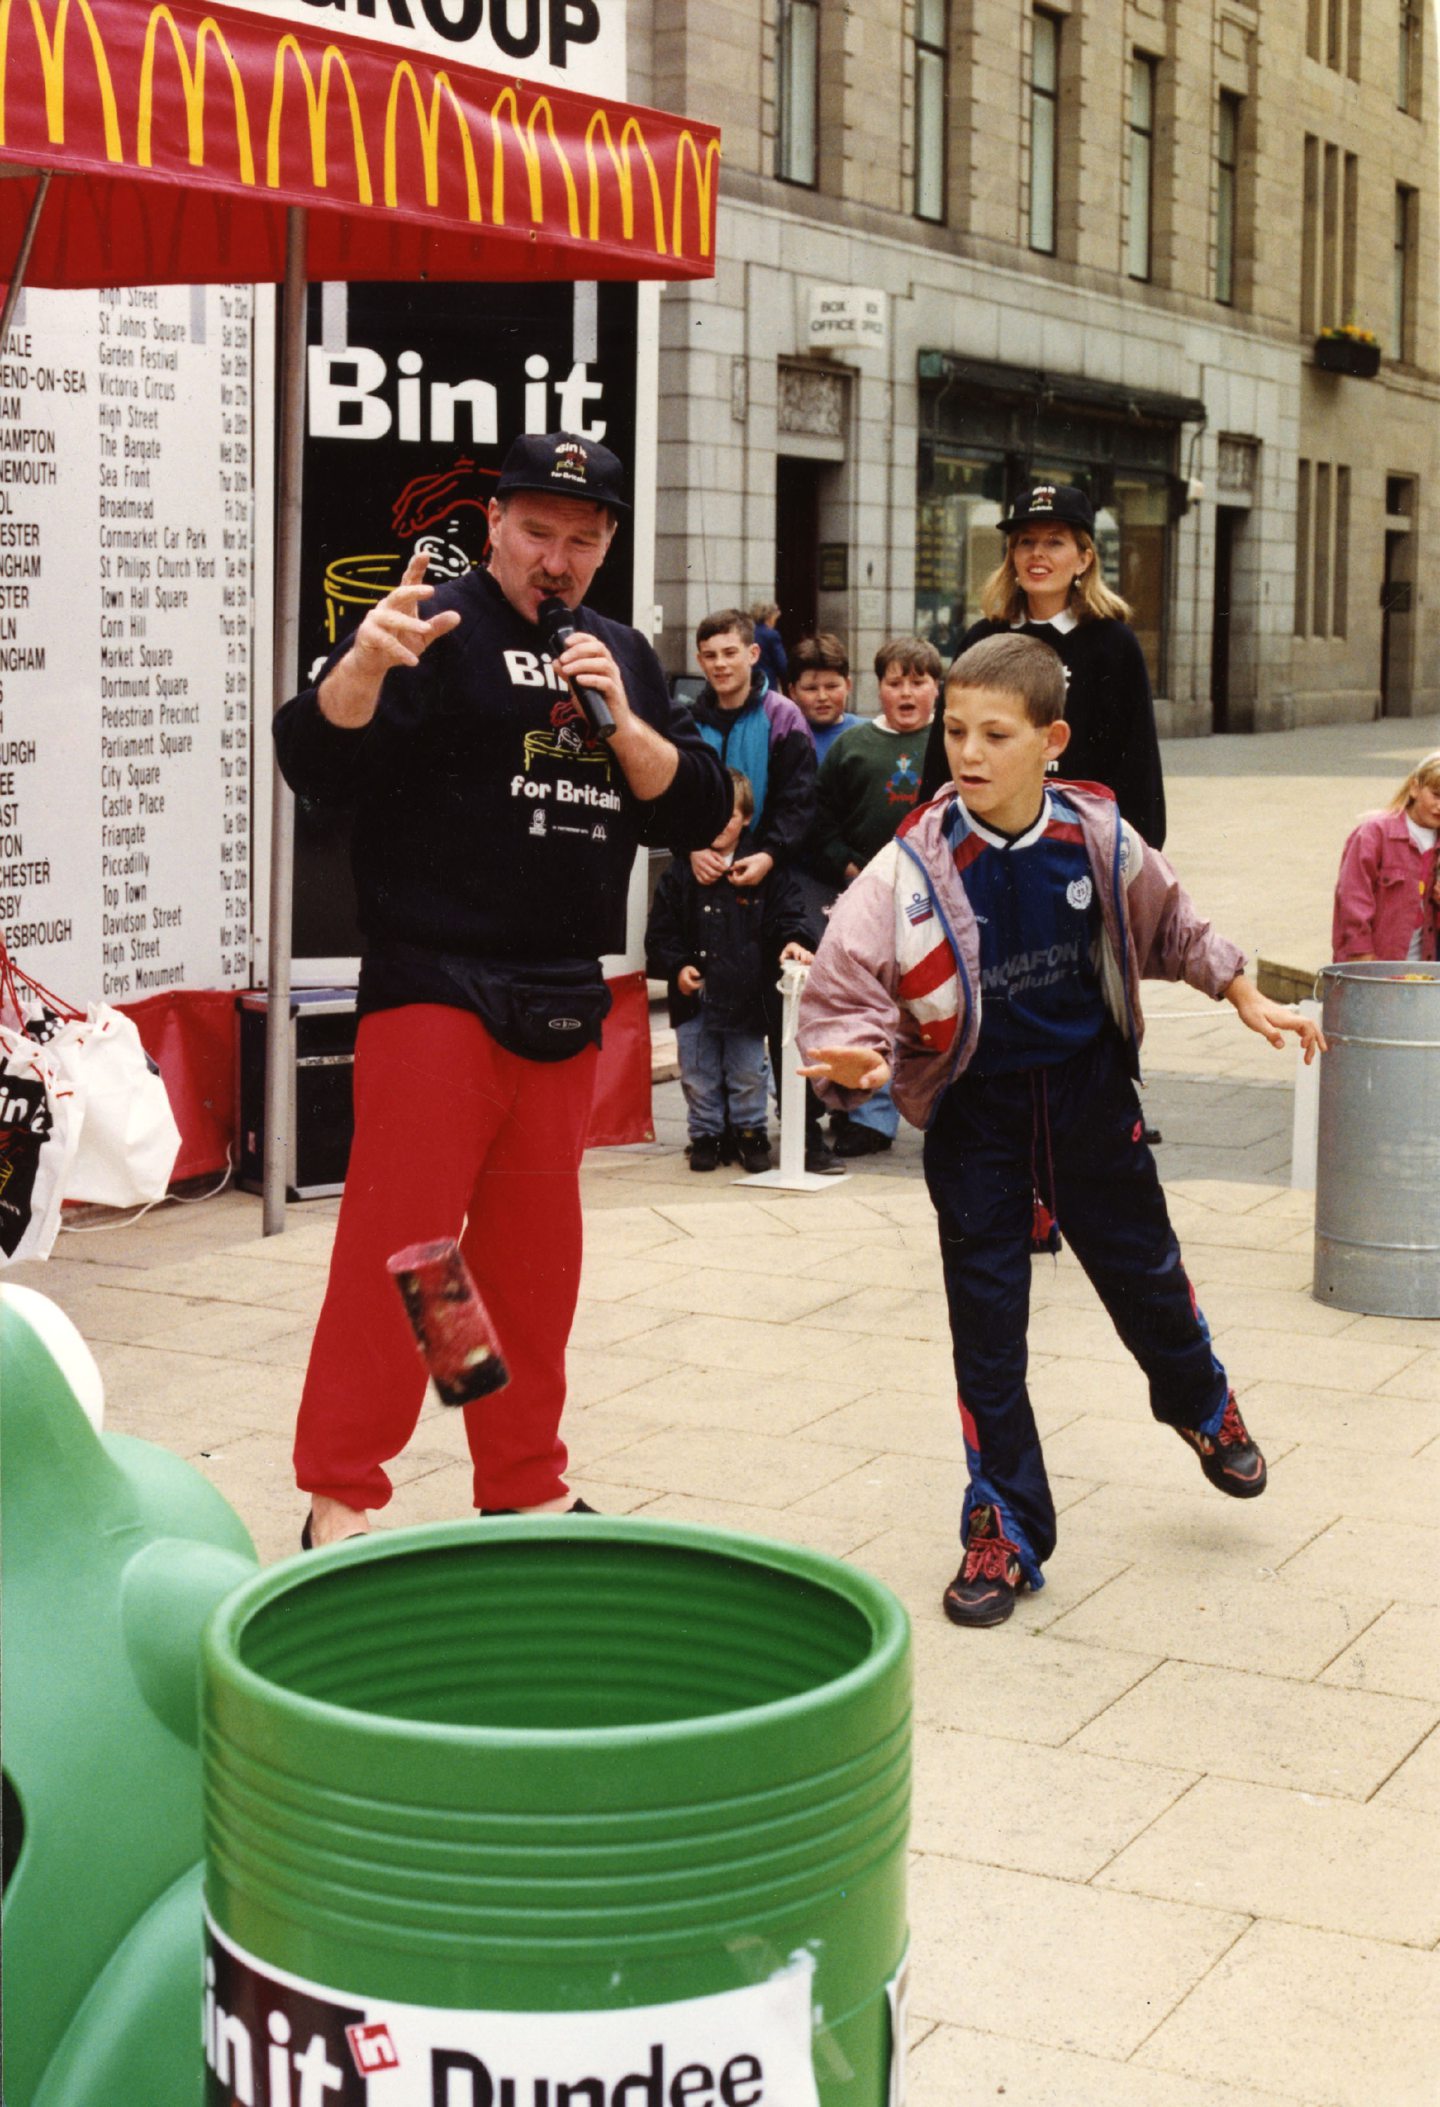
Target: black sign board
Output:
[(834, 567), (406, 427)]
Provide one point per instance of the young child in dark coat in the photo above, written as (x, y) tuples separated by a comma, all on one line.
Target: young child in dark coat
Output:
[(716, 945)]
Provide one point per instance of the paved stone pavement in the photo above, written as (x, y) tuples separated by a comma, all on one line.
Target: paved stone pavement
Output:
[(1176, 1825)]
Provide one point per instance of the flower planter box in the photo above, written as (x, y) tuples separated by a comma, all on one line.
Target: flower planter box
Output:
[(1347, 355)]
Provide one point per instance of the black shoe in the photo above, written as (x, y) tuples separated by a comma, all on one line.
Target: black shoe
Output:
[(855, 1140), (990, 1576), (576, 1506), (704, 1152), (1150, 1136), (821, 1158), (307, 1535), (752, 1146), (1229, 1459)]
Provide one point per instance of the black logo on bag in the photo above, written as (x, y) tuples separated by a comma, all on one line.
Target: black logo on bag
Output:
[(25, 1124)]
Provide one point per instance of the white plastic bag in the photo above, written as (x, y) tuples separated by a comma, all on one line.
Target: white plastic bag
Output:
[(39, 1130), (128, 1138)]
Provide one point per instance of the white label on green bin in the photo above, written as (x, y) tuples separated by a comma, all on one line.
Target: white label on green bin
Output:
[(897, 1991), (275, 2040)]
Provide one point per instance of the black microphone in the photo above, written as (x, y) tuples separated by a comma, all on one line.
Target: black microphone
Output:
[(557, 627)]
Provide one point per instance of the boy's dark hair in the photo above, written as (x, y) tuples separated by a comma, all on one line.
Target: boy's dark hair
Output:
[(722, 622), (912, 654), (744, 792), (1017, 665), (822, 653)]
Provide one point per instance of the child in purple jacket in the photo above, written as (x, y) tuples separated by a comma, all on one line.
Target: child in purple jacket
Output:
[(990, 959)]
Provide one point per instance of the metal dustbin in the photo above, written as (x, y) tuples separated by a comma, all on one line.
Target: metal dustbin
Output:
[(1377, 1180), (536, 1812)]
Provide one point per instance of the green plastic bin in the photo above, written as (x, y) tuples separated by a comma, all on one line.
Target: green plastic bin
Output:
[(560, 1813)]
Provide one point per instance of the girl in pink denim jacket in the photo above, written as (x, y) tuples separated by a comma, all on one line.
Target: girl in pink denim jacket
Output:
[(1389, 888)]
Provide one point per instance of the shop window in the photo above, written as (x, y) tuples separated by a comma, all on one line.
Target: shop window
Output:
[(1408, 72), (1044, 129), (930, 109), (1322, 549), (1132, 538), (1142, 164), (796, 158), (1320, 552), (1302, 549), (1402, 315), (957, 546), (1332, 35), (1227, 180), (1340, 568), (1329, 235)]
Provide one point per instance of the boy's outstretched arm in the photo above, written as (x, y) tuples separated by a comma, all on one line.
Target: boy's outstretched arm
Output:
[(1272, 1019), (853, 1067)]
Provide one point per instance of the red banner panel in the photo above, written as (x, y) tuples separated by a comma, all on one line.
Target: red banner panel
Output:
[(190, 1037), (178, 136), (622, 1110)]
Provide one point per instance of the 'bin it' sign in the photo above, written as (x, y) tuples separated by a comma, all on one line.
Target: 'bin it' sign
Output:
[(846, 316)]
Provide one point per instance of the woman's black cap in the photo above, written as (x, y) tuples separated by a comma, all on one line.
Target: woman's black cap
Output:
[(1057, 504)]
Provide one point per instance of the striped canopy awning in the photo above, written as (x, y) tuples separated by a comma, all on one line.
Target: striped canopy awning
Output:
[(177, 136)]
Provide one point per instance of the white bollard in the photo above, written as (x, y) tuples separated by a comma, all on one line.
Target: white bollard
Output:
[(792, 1175), (1304, 1135)]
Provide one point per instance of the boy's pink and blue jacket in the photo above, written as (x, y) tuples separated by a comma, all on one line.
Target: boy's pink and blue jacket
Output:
[(898, 970), (1384, 892)]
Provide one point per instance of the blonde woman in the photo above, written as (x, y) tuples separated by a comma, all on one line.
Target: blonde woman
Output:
[(1389, 886), (1049, 585)]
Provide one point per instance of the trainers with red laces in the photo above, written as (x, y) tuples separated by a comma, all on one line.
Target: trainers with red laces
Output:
[(990, 1576), (1229, 1458)]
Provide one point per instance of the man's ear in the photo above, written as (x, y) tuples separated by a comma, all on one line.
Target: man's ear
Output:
[(1057, 738), (754, 654)]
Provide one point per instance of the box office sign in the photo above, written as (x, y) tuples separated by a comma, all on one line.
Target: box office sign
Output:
[(564, 43), (846, 317), (413, 396)]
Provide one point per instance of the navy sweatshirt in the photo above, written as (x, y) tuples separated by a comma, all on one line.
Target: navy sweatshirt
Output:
[(1111, 715), (489, 822)]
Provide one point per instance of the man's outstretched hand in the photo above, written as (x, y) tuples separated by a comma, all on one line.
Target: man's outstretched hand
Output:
[(393, 633)]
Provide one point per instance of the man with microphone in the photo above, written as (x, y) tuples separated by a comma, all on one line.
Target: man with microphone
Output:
[(504, 766)]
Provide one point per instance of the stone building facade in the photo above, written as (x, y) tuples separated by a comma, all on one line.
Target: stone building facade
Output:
[(964, 241)]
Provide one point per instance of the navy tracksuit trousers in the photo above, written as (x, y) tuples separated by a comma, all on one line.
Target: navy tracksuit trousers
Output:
[(1073, 1133)]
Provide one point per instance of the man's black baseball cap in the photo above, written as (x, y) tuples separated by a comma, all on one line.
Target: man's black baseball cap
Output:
[(565, 465), (1059, 504)]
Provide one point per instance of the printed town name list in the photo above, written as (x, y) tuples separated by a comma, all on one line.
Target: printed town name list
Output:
[(126, 584)]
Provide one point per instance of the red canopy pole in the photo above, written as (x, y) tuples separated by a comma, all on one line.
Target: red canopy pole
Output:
[(278, 1044), (27, 242)]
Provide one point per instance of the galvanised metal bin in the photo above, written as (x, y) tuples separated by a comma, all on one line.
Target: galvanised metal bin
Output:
[(556, 1813), (1377, 1178)]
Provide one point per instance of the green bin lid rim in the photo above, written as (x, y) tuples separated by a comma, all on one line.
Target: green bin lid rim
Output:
[(888, 1620)]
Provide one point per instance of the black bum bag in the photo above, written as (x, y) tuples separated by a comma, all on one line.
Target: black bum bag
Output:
[(542, 1010)]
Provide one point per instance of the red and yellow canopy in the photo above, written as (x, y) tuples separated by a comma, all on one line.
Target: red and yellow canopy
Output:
[(178, 135)]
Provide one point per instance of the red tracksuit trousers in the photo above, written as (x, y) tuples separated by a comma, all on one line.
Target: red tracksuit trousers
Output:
[(450, 1129)]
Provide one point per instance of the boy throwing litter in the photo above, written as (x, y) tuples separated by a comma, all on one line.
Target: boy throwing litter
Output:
[(990, 959)]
